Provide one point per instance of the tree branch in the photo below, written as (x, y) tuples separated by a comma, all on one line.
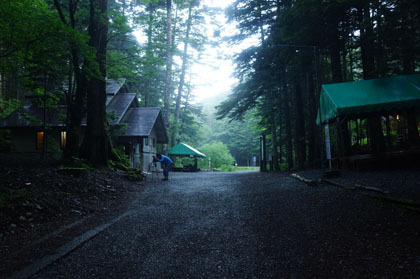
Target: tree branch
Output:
[(60, 12)]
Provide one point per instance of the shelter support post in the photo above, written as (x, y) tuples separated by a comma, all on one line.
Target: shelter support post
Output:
[(328, 145), (209, 163), (388, 132), (412, 123), (263, 164), (377, 141), (344, 141), (264, 153), (260, 154)]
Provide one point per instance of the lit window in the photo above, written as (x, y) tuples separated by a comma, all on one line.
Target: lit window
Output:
[(63, 139), (39, 140)]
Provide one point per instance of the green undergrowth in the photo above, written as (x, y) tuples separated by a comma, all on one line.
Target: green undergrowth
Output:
[(74, 166), (8, 196), (120, 160), (135, 175), (77, 166)]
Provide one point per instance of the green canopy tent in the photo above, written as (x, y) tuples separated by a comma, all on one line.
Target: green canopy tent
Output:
[(359, 98), (184, 150)]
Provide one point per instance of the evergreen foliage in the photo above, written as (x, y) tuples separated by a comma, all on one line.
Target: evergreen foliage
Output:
[(306, 43), (219, 155)]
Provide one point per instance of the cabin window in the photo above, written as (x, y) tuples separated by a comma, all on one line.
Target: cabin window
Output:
[(63, 139), (146, 141), (154, 142), (39, 140)]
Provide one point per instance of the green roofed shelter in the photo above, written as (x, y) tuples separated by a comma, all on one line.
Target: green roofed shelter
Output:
[(367, 97), (184, 150)]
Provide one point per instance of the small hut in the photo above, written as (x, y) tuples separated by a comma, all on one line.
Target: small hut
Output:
[(184, 150)]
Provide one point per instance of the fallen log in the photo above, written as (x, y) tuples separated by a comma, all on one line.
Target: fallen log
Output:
[(305, 180), (401, 202), (372, 189), (408, 204), (338, 184)]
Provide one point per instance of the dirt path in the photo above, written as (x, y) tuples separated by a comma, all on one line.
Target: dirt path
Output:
[(247, 225)]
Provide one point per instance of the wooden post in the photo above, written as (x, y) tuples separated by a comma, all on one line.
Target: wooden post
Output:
[(44, 128), (261, 156), (328, 145), (264, 159), (388, 132)]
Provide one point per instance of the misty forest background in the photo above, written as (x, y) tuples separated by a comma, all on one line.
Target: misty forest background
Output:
[(64, 49)]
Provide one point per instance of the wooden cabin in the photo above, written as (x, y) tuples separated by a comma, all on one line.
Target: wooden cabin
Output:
[(140, 130)]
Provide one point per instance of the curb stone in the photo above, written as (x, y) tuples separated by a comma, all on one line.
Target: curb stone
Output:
[(66, 249)]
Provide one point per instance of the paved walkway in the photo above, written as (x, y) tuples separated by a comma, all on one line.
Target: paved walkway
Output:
[(249, 225)]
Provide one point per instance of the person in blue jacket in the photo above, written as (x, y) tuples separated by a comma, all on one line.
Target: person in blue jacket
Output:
[(165, 162)]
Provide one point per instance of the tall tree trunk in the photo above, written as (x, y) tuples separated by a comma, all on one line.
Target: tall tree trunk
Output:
[(96, 145), (313, 131), (274, 142), (380, 54), (77, 112), (344, 144), (261, 24), (76, 106), (149, 54), (288, 123), (168, 79), (182, 77), (377, 140), (408, 48), (300, 140)]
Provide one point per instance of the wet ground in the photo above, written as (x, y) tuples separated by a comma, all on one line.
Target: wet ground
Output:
[(249, 225)]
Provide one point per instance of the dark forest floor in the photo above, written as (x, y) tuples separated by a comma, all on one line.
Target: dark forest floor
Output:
[(39, 198)]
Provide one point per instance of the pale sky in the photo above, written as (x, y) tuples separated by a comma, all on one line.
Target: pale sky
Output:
[(214, 74)]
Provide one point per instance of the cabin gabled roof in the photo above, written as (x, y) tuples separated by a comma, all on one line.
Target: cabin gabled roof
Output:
[(120, 104), (30, 115), (113, 86), (141, 121)]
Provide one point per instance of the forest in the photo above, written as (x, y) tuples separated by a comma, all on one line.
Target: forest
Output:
[(290, 130), (304, 44), (63, 51)]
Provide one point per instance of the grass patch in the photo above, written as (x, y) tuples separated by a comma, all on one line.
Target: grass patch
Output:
[(237, 168)]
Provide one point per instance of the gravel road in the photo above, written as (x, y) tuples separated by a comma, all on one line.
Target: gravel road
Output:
[(249, 225)]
